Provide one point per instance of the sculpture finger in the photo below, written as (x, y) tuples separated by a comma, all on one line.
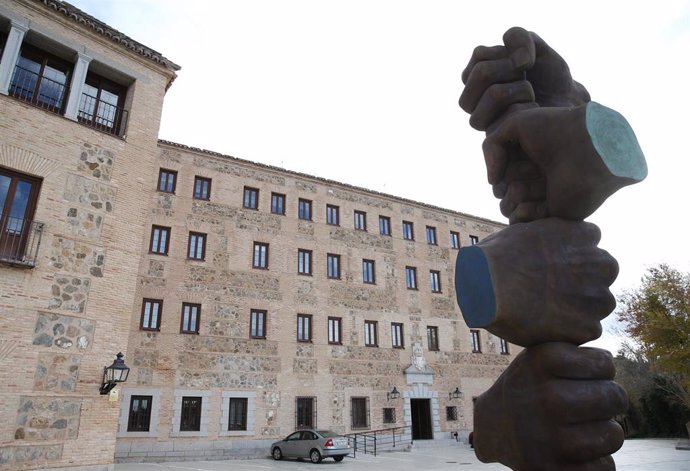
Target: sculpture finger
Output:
[(587, 401), (483, 75), (568, 361), (521, 47), (590, 442), (481, 54), (497, 99), (528, 211), (520, 192)]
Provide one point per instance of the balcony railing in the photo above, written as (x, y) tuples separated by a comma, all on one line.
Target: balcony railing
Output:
[(101, 115), (20, 240), (50, 94)]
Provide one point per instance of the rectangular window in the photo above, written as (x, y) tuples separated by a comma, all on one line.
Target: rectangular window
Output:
[(277, 203), (304, 327), (371, 336), (202, 188), (304, 209), (101, 105), (397, 339), (454, 240), (384, 225), (190, 415), (408, 230), (504, 346), (18, 231), (304, 262), (474, 240), (431, 235), (167, 180), (435, 280), (333, 261), (411, 277), (196, 248), (237, 415), (432, 338), (332, 215), (389, 415), (451, 413), (151, 312), (257, 324), (41, 79), (360, 412), (139, 414), (360, 220), (189, 324), (476, 344), (251, 198), (335, 330), (260, 259), (368, 272), (160, 240), (305, 412)]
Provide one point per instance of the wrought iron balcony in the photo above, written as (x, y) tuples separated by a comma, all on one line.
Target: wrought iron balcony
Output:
[(20, 240), (102, 115), (38, 90)]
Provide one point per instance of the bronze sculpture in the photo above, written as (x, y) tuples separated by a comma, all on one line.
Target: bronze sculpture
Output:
[(553, 157)]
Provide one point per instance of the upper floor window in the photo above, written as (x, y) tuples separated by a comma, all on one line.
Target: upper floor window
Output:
[(304, 327), (408, 230), (371, 335), (151, 311), (18, 197), (260, 258), (332, 215), (167, 180), (196, 247), (257, 324), (384, 225), (432, 338), (335, 330), (189, 323), (503, 346), (251, 198), (411, 277), (202, 188), (278, 203), (304, 262), (41, 78), (431, 235), (476, 343), (304, 209), (160, 240), (368, 272), (435, 281), (397, 339), (101, 104), (333, 268), (454, 240), (360, 220), (474, 240)]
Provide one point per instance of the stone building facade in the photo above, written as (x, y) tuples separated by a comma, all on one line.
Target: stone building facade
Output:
[(248, 300)]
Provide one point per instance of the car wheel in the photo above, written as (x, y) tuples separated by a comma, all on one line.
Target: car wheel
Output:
[(315, 456), (338, 458), (277, 454)]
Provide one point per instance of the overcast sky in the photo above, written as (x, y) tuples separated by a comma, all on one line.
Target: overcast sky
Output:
[(365, 92)]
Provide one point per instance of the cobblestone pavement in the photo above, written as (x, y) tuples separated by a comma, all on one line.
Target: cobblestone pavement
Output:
[(636, 455)]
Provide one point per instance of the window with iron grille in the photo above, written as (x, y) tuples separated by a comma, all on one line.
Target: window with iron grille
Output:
[(504, 346), (305, 412), (196, 246), (257, 324), (454, 240), (408, 230), (359, 409), (237, 418), (435, 280), (202, 188), (167, 180), (332, 215), (335, 330), (384, 225), (476, 344), (41, 79), (101, 104), (360, 220), (189, 324), (411, 277), (431, 235), (333, 268), (139, 414), (397, 338), (151, 311), (304, 261), (18, 197), (432, 338), (304, 327), (368, 272), (389, 415), (474, 240), (304, 209), (451, 413), (371, 334), (277, 203), (251, 198), (160, 240), (190, 414), (260, 258)]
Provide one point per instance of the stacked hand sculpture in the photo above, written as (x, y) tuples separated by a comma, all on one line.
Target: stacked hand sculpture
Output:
[(553, 157)]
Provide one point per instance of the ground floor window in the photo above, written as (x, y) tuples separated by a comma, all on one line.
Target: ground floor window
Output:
[(360, 412), (190, 420), (305, 412), (451, 413), (389, 415), (237, 418), (139, 414)]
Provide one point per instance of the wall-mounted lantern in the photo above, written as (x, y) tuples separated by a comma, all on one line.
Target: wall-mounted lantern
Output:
[(394, 394), (113, 374), (457, 394)]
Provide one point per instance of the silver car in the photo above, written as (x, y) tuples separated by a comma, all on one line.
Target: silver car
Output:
[(312, 444)]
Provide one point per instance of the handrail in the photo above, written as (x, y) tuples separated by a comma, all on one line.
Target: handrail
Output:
[(49, 95), (20, 240), (371, 441), (102, 115)]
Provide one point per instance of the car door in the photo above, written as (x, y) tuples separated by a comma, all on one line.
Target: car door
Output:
[(290, 446)]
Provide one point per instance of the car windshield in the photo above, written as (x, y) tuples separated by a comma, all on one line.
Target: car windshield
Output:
[(327, 433)]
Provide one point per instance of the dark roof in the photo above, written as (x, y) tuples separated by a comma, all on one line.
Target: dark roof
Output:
[(326, 180)]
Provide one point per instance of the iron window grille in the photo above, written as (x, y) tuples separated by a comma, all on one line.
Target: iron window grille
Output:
[(41, 79), (305, 412), (389, 415), (237, 415), (101, 105), (359, 409), (139, 414), (451, 413), (190, 414)]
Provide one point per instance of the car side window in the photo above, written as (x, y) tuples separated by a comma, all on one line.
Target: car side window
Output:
[(294, 436)]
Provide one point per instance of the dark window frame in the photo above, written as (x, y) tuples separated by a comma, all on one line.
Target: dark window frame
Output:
[(305, 322), (332, 215), (431, 235), (15, 233), (408, 230), (503, 346), (371, 333), (238, 409), (258, 319), (474, 240), (435, 281), (152, 302), (333, 269), (190, 413), (389, 415), (451, 413), (335, 330), (278, 203), (411, 278), (250, 198), (102, 116), (165, 175), (305, 262), (359, 413), (385, 226), (156, 248), (202, 188), (139, 421), (369, 271), (432, 338), (194, 313), (43, 59), (360, 220), (262, 261), (454, 240), (476, 341), (397, 335), (305, 209), (193, 251), (305, 412)]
